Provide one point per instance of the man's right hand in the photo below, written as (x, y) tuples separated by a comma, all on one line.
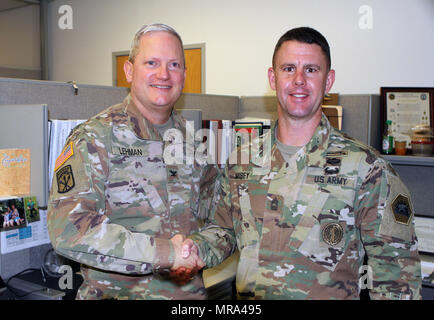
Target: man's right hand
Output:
[(187, 261)]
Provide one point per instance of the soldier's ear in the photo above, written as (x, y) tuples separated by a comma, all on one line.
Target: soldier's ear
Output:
[(128, 70), (272, 78), (330, 80)]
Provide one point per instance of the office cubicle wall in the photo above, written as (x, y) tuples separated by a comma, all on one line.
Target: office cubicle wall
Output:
[(258, 107), (60, 97), (361, 114), (360, 120), (25, 126), (64, 101), (214, 107)]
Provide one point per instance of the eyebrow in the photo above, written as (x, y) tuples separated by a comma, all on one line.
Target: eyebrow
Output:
[(312, 65), (309, 65)]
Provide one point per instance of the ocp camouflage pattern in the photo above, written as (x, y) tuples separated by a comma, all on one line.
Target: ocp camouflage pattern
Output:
[(125, 205), (303, 227)]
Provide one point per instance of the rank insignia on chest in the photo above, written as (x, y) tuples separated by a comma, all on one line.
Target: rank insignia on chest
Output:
[(332, 166), (65, 179), (274, 204), (401, 209), (339, 153), (332, 233)]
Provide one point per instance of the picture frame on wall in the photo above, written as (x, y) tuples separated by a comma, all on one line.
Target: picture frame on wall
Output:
[(406, 107)]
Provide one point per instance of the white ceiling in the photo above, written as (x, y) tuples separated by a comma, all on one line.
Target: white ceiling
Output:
[(14, 4)]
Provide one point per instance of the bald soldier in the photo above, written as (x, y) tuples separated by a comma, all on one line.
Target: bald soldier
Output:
[(117, 206), (312, 203)]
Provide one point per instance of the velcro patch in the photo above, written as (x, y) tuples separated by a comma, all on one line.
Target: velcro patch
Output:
[(401, 209), (332, 180), (65, 179), (398, 211), (128, 151), (67, 153), (243, 175)]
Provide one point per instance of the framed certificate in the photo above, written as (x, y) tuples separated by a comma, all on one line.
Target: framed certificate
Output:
[(406, 107)]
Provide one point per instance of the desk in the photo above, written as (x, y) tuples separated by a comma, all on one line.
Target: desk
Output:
[(33, 286), (219, 282)]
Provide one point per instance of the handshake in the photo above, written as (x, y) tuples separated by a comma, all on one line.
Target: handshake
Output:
[(187, 261)]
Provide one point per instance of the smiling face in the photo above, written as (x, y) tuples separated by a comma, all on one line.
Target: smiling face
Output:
[(157, 74), (300, 78)]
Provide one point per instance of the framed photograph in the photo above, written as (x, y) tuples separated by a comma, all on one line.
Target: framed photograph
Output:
[(406, 108), (12, 213), (31, 209)]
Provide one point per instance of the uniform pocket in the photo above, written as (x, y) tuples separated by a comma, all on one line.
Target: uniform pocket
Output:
[(244, 221), (136, 186), (330, 234), (325, 244)]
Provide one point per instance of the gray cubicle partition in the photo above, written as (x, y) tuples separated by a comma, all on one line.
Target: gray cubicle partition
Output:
[(60, 97), (64, 103), (25, 126), (361, 120), (214, 107), (258, 107), (77, 101), (361, 114)]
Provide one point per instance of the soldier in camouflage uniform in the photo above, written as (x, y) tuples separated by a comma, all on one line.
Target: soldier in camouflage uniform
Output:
[(116, 202), (305, 213)]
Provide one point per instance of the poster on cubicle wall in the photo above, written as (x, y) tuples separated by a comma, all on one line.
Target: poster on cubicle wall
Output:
[(25, 228)]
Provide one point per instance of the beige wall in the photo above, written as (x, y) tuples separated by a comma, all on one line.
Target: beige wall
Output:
[(240, 36), (19, 38)]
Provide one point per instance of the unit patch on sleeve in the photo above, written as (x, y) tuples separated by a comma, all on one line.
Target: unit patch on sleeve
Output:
[(401, 209), (65, 179), (398, 210)]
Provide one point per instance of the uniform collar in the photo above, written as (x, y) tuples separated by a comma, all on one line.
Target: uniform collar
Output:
[(313, 154), (142, 127), (316, 149)]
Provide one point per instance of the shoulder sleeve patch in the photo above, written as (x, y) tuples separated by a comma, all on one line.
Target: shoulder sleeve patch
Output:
[(67, 152), (65, 179), (398, 210), (401, 208), (71, 175)]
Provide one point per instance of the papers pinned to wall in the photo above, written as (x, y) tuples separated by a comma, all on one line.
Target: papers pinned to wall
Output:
[(14, 172), (22, 224)]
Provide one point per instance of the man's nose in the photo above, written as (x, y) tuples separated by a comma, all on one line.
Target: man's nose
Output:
[(163, 72), (299, 78)]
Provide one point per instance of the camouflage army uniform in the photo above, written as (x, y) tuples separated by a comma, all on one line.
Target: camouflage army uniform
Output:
[(304, 227), (115, 204)]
